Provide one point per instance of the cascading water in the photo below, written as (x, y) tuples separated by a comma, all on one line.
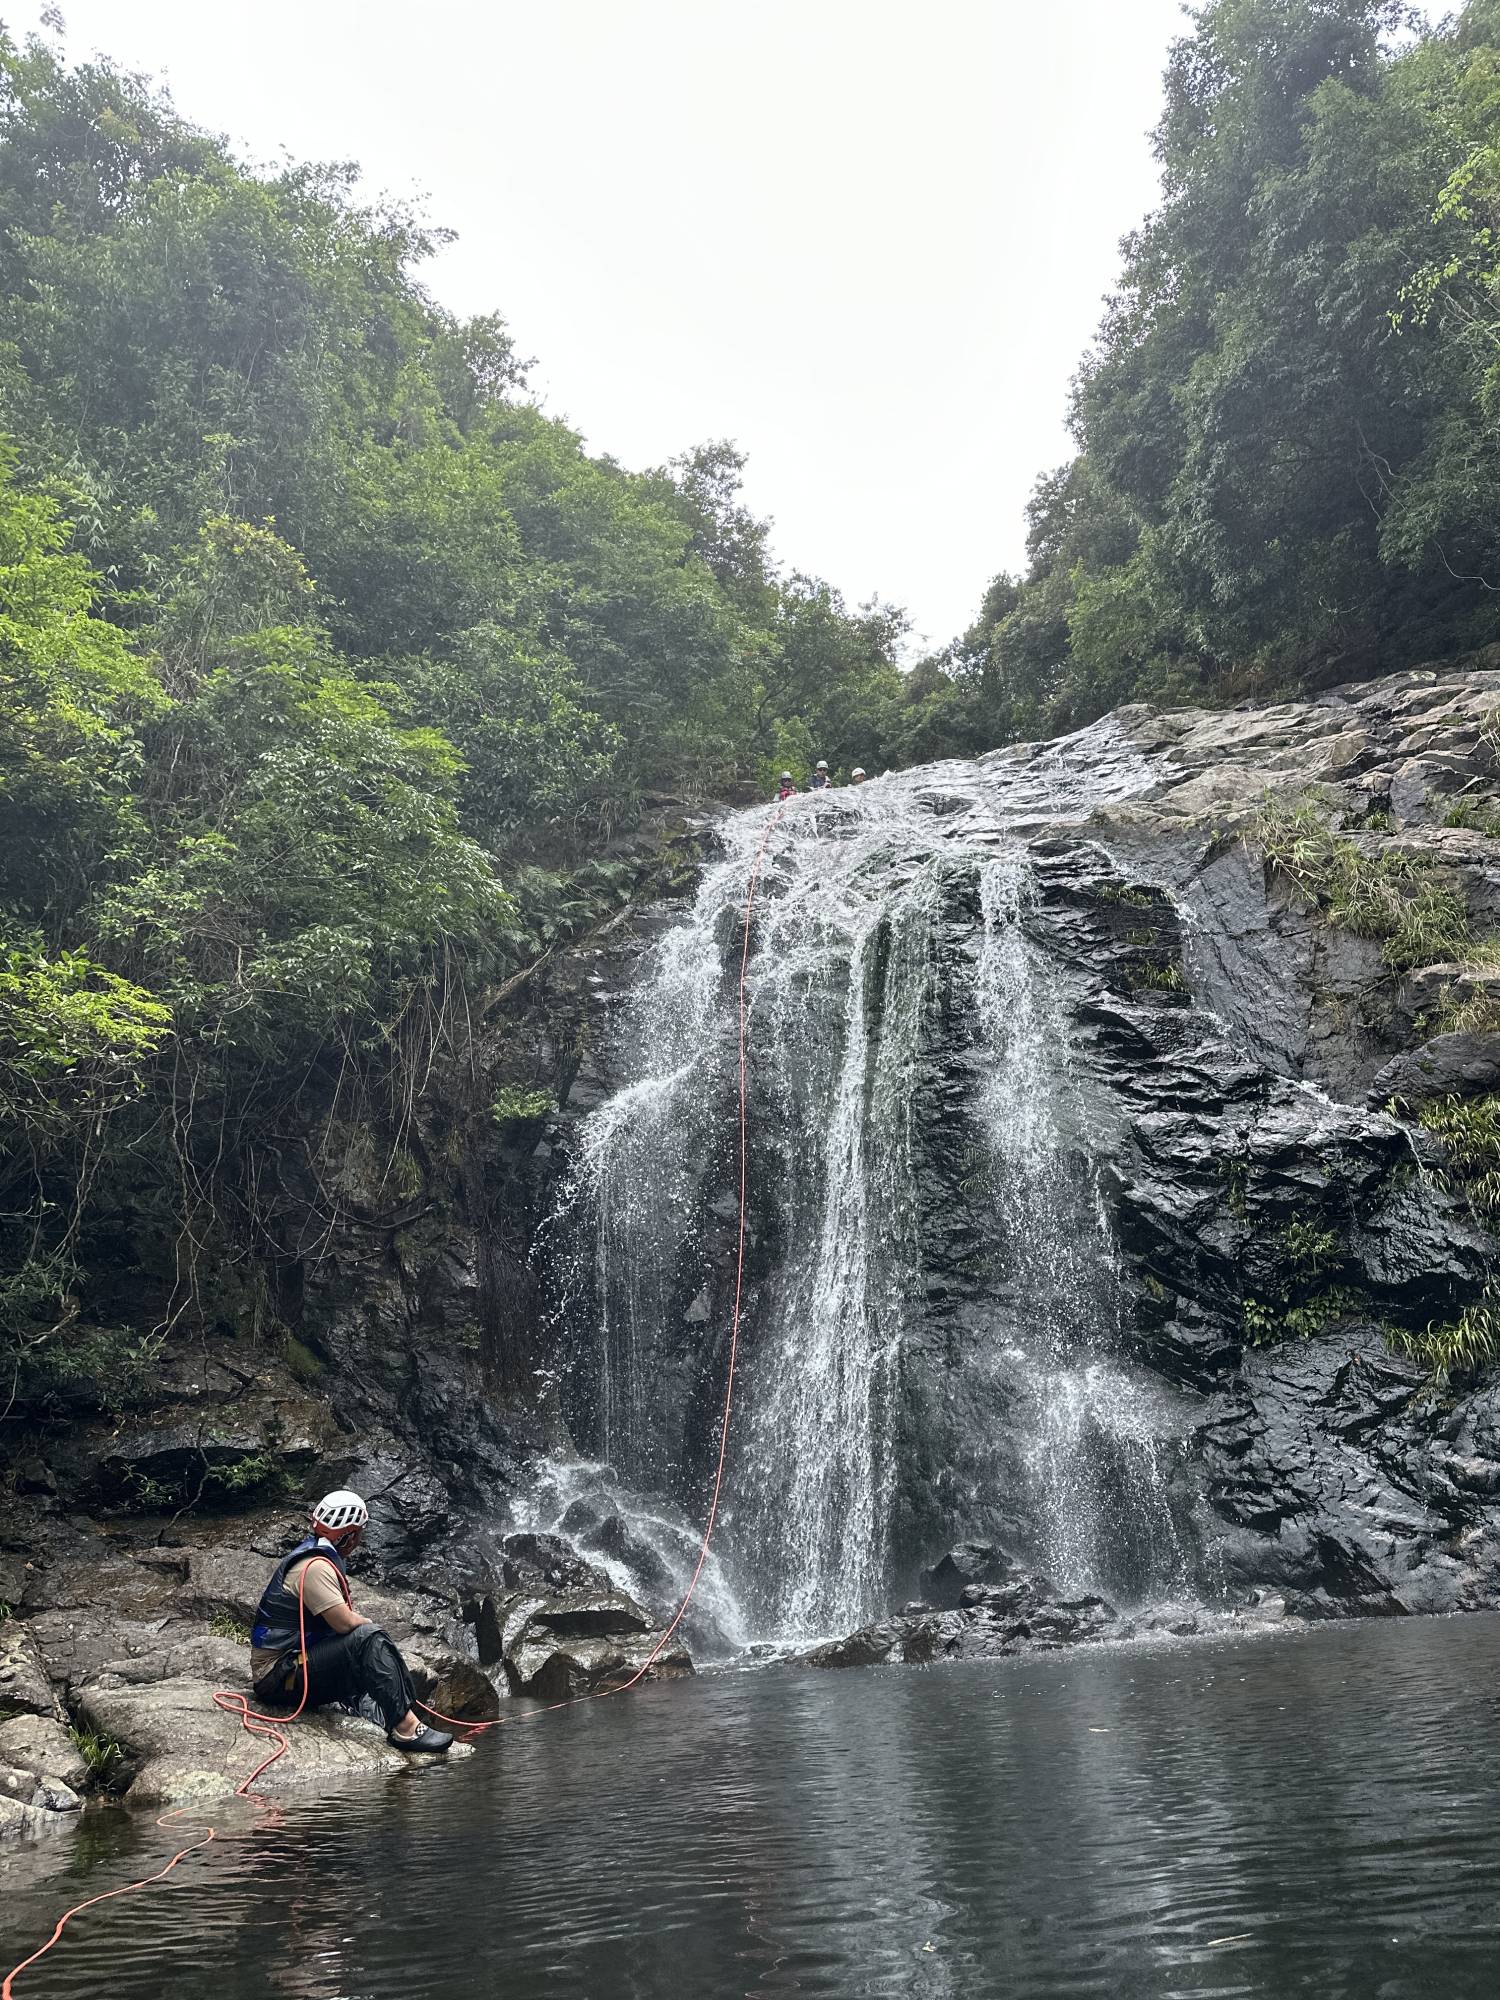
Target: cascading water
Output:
[(1093, 1441), (858, 967)]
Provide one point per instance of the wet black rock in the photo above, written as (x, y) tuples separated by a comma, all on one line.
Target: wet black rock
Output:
[(1458, 1065), (992, 1621), (946, 1583), (546, 1562), (1344, 1479)]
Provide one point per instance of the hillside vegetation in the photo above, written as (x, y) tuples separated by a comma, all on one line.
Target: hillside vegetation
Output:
[(334, 672), (1288, 465)]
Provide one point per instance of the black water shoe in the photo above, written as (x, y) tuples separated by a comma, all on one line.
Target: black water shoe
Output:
[(421, 1739)]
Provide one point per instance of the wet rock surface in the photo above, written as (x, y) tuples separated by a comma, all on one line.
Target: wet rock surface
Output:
[(1250, 1072), (179, 1748), (559, 1627), (989, 1621), (1276, 1224)]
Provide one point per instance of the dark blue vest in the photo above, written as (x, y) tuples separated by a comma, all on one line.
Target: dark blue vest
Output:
[(277, 1614)]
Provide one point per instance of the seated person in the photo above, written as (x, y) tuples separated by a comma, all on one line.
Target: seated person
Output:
[(347, 1656)]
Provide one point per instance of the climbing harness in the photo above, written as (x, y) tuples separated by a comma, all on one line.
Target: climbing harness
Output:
[(273, 1728)]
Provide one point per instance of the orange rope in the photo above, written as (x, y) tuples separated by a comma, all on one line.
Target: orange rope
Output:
[(601, 1694), (232, 1702)]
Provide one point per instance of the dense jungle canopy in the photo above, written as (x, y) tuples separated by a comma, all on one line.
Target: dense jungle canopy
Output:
[(332, 669)]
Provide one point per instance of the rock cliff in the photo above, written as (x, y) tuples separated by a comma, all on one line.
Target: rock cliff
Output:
[(1274, 945)]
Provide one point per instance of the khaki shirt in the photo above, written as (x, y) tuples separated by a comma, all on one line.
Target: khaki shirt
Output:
[(319, 1594)]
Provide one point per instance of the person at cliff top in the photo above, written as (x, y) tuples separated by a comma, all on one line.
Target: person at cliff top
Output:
[(820, 777), (857, 775), (786, 789), (347, 1656)]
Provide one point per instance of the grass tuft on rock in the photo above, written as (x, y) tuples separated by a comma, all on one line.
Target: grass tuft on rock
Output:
[(1459, 1346), (1470, 1129), (1393, 897), (103, 1754)]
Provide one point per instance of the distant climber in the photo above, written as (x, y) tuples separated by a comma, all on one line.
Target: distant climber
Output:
[(820, 778), (786, 789), (347, 1656), (857, 775)]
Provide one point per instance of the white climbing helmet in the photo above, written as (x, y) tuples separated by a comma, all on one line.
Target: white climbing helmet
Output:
[(340, 1509)]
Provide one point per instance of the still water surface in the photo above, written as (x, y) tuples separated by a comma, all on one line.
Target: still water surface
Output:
[(1310, 1813)]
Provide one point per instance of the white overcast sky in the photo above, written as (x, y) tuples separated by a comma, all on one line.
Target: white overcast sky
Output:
[(867, 239)]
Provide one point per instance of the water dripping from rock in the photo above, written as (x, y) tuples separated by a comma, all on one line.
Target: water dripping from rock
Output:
[(899, 1008)]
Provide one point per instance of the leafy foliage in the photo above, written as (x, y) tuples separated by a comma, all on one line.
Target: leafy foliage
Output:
[(328, 660), (1288, 464), (1470, 1130)]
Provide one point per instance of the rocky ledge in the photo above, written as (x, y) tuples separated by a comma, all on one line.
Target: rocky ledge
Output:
[(981, 1604), (120, 1635)]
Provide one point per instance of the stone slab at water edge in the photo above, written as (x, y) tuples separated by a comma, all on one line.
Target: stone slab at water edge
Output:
[(107, 1682)]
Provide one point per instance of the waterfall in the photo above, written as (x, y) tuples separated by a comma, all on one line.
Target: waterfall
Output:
[(838, 1016), (895, 993), (1093, 1444)]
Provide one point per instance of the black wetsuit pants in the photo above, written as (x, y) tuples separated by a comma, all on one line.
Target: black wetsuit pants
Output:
[(361, 1662)]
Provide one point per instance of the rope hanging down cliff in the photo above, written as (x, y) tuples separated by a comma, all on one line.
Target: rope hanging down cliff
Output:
[(273, 1728)]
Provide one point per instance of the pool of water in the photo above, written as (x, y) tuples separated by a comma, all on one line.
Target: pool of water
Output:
[(1306, 1813)]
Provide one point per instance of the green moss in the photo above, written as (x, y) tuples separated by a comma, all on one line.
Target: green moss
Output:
[(301, 1363), (224, 1625)]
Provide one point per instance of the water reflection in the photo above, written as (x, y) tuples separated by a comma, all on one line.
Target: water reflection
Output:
[(1305, 1814)]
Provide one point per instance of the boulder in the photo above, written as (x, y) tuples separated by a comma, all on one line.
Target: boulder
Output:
[(588, 1614), (28, 1803), (969, 1563), (180, 1747), (870, 1647), (40, 1744), (1020, 1615), (451, 1683), (559, 1643), (1459, 1065), (53, 1796), (547, 1562), (17, 1817), (24, 1686), (555, 1668)]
